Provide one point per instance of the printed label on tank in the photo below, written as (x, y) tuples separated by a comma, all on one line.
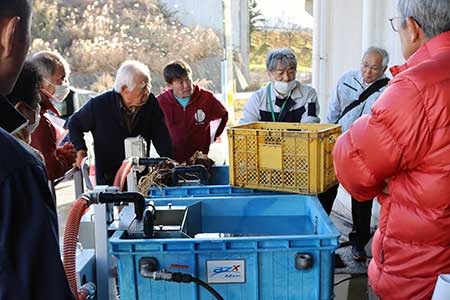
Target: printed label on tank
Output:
[(225, 271)]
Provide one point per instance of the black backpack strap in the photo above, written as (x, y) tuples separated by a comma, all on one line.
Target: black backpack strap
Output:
[(364, 95)]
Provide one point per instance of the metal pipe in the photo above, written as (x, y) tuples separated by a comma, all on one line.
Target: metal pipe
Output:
[(369, 24), (320, 54), (228, 36)]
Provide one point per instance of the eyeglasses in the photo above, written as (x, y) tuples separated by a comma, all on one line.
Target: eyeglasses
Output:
[(396, 22), (372, 68)]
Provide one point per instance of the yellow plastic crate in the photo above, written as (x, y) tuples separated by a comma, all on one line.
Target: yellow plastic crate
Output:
[(286, 157)]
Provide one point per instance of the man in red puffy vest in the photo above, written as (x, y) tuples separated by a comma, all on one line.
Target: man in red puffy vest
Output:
[(401, 154)]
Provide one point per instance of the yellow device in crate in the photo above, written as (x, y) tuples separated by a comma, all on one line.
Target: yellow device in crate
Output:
[(286, 157)]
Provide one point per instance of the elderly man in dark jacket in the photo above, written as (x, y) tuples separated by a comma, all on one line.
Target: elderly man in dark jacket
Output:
[(128, 110)]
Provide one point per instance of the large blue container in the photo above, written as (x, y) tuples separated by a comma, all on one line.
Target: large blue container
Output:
[(266, 238), (204, 191)]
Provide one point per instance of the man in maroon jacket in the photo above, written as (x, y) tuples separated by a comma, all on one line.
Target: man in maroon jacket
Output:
[(188, 112), (54, 70)]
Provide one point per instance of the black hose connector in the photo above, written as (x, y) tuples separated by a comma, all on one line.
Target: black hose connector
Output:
[(303, 261), (149, 219), (181, 277), (148, 265), (127, 197)]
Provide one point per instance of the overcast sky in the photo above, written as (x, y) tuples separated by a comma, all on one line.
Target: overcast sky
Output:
[(292, 11)]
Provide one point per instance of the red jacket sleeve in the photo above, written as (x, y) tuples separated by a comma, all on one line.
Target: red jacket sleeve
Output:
[(377, 146), (44, 140)]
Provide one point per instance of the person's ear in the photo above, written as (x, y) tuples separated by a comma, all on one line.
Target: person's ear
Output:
[(125, 93), (8, 32), (169, 86), (44, 84), (414, 30)]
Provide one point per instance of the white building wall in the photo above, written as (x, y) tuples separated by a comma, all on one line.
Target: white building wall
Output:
[(241, 33), (209, 13), (192, 12), (350, 27), (343, 29), (344, 43)]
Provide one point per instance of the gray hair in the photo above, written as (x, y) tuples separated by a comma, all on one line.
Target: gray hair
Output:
[(432, 15), (47, 61), (283, 55), (127, 74), (383, 53)]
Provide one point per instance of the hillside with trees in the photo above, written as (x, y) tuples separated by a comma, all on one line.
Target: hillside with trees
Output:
[(269, 34), (296, 38), (96, 36)]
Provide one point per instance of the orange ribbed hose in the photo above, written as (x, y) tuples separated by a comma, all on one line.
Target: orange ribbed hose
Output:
[(118, 176), (125, 172), (70, 241)]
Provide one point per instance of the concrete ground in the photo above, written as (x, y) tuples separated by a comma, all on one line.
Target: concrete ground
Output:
[(65, 197), (356, 287), (350, 282)]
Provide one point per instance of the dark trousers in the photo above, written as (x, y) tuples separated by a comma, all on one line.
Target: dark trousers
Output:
[(361, 214), (327, 198)]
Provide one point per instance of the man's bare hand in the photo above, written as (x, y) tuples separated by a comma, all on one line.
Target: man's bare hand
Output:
[(80, 155), (68, 151)]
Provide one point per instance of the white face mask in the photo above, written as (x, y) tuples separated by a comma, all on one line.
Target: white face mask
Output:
[(284, 88), (61, 91), (32, 127)]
